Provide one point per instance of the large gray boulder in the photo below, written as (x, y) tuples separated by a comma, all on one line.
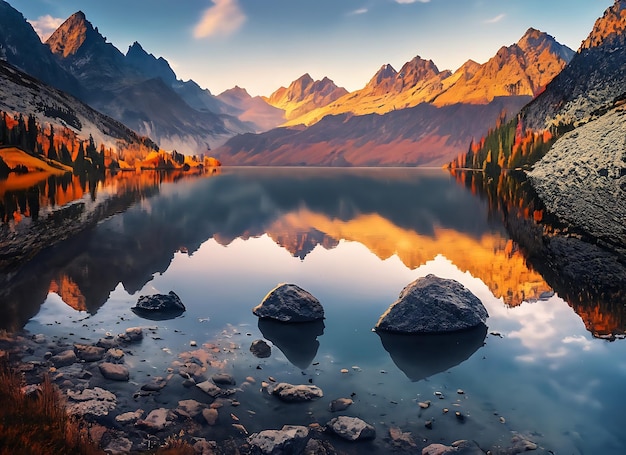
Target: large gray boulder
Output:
[(290, 303), (290, 439), (433, 305), (159, 306)]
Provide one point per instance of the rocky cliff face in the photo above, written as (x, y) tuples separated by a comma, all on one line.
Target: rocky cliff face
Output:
[(592, 82), (582, 178)]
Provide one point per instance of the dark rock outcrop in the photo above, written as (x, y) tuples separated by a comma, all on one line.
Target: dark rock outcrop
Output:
[(433, 305), (290, 303), (159, 306)]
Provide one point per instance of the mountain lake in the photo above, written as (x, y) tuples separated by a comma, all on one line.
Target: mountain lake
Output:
[(549, 369)]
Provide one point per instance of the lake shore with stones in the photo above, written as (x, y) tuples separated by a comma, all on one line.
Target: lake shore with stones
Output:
[(211, 411), (200, 397)]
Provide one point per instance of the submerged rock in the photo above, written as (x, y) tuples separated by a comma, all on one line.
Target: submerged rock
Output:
[(88, 353), (290, 439), (462, 447), (340, 404), (351, 428), (64, 358), (290, 303), (433, 305), (296, 393), (159, 306), (157, 420), (114, 371)]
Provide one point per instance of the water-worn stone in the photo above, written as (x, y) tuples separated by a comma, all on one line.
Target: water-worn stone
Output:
[(290, 303), (189, 408), (290, 439), (89, 353), (131, 335), (157, 420), (114, 356), (401, 440), (210, 388), (340, 404), (296, 393), (260, 349), (223, 379), (90, 402), (351, 428), (159, 306), (462, 447), (114, 371), (210, 415), (433, 305), (118, 446), (64, 358), (129, 417)]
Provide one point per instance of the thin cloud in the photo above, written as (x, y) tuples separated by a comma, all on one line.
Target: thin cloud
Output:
[(358, 11), (496, 19), (46, 25), (406, 2), (223, 18)]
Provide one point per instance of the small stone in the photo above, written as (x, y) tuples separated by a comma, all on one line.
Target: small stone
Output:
[(157, 420), (445, 410), (460, 392), (424, 404), (114, 372), (239, 427), (344, 371), (459, 416), (340, 404), (351, 428), (250, 379), (129, 417), (193, 343), (210, 388), (401, 440), (296, 393), (89, 353), (210, 415), (260, 349), (64, 358), (502, 420), (190, 408), (223, 379), (429, 424)]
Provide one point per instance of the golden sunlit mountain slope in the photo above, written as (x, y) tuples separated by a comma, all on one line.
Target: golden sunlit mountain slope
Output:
[(304, 95), (523, 68), (492, 258)]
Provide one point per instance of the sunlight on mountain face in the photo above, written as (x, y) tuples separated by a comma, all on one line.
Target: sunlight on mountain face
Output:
[(492, 258)]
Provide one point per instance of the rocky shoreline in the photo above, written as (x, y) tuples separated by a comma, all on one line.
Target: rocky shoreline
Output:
[(211, 413)]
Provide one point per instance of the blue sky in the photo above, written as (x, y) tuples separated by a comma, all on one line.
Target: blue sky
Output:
[(264, 44)]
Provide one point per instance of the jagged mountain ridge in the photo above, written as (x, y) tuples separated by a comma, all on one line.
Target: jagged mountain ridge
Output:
[(120, 87), (424, 135), (253, 109), (21, 47), (304, 94), (416, 116), (523, 68)]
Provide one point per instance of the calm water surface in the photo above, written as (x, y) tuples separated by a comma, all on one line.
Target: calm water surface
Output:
[(354, 239)]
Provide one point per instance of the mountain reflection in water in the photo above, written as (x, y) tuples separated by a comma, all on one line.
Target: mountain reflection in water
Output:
[(414, 215), (298, 341)]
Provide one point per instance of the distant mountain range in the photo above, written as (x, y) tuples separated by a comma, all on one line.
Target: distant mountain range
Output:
[(416, 116), (137, 89)]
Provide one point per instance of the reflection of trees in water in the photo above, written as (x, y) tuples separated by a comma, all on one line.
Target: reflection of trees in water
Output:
[(590, 277)]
